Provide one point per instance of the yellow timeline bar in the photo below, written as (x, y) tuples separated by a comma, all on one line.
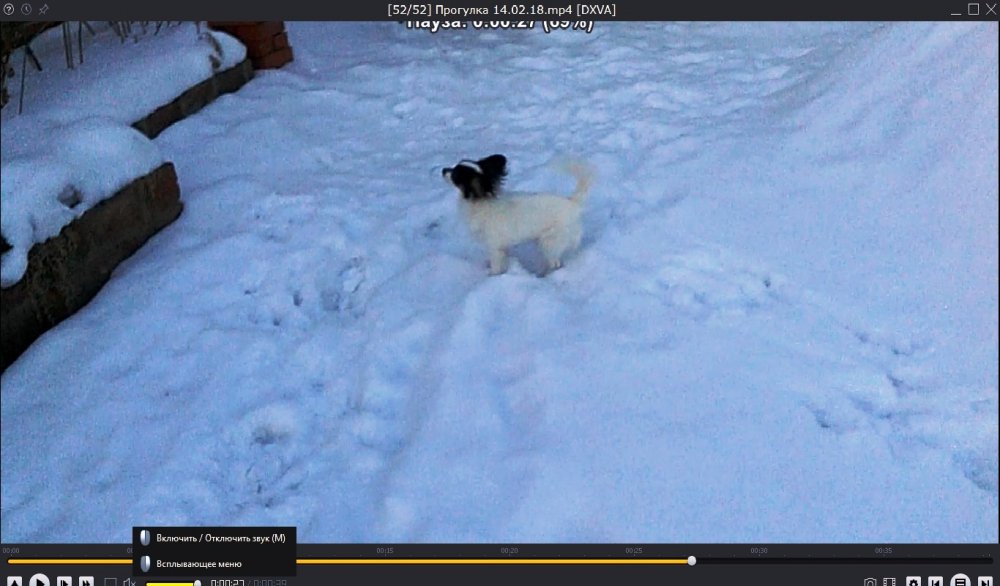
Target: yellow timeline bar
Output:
[(70, 561), (384, 561), (339, 561)]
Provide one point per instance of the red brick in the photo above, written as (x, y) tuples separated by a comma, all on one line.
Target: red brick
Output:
[(257, 31), (241, 31), (281, 41), (229, 27), (219, 24), (274, 60), (259, 48)]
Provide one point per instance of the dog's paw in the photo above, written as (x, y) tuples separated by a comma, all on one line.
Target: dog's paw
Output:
[(498, 263)]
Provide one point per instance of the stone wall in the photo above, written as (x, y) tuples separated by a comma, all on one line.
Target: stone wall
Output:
[(65, 272), (266, 41), (195, 99)]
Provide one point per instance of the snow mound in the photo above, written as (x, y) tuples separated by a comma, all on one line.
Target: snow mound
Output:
[(74, 145), (73, 168)]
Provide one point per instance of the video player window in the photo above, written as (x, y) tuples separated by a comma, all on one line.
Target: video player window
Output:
[(580, 281)]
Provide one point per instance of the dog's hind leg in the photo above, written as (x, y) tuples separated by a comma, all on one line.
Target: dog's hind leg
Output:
[(498, 261), (575, 237), (553, 248), (556, 244)]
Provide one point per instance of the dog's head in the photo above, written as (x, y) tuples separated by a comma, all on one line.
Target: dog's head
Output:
[(477, 179)]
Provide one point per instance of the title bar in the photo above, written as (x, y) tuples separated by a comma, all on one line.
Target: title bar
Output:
[(717, 10)]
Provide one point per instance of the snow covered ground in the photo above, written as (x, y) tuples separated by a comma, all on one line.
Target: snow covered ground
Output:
[(73, 146), (781, 327)]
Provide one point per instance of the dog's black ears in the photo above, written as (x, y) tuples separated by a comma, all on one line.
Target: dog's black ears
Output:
[(494, 170), (478, 179), (474, 190), (493, 166)]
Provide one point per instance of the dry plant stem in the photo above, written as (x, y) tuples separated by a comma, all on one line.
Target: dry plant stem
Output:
[(24, 67), (68, 44)]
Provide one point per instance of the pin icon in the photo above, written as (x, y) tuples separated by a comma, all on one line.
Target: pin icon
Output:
[(144, 563), (144, 537)]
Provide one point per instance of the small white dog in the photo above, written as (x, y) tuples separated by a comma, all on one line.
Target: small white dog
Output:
[(502, 222)]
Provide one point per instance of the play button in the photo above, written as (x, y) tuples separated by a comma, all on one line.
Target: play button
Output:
[(39, 580)]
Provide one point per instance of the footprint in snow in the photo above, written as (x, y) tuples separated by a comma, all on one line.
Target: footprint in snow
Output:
[(259, 456), (342, 292)]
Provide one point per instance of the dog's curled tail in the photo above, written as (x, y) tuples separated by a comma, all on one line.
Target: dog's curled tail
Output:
[(584, 175)]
